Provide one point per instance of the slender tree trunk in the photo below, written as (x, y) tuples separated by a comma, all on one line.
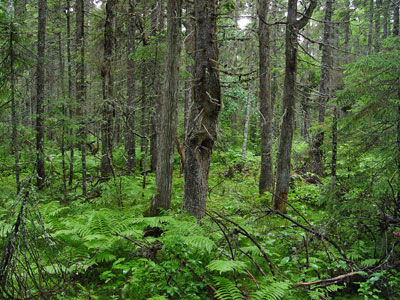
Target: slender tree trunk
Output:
[(169, 110), (370, 25), (108, 93), (69, 70), (189, 49), (285, 138), (130, 122), (378, 5), (324, 88), (266, 174), (333, 161), (41, 44), (347, 32), (206, 107), (80, 87), (63, 96), (144, 120), (396, 18), (386, 18), (246, 124), (14, 119), (155, 130)]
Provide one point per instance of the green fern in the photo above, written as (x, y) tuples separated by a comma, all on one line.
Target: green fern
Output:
[(271, 291), (223, 266), (199, 242), (226, 289)]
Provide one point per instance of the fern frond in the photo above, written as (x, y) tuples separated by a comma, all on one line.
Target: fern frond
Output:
[(226, 289), (271, 291), (223, 266), (199, 242)]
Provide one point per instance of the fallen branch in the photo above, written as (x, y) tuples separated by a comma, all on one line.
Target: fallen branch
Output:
[(329, 281)]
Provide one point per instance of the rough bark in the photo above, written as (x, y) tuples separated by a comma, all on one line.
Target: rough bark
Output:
[(80, 87), (63, 107), (378, 5), (41, 45), (206, 107), (69, 70), (396, 18), (246, 125), (324, 89), (370, 25), (130, 120), (108, 92), (285, 138), (266, 173), (189, 49), (14, 119), (333, 160), (169, 110)]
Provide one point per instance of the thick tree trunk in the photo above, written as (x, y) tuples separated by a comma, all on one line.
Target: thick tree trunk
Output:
[(41, 44), (169, 110), (266, 173), (206, 107), (324, 88), (108, 93), (80, 85), (130, 120), (285, 138)]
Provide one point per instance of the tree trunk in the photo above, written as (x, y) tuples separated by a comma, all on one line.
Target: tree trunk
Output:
[(285, 138), (396, 18), (266, 173), (130, 120), (63, 96), (246, 125), (41, 45), (206, 107), (69, 70), (324, 90), (189, 49), (169, 110), (370, 25), (378, 4), (333, 161), (108, 93), (80, 85), (14, 119)]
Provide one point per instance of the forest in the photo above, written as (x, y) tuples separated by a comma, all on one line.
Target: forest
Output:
[(199, 149)]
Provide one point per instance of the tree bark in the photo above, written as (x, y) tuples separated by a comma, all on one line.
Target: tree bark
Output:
[(324, 88), (108, 93), (396, 18), (80, 87), (14, 119), (246, 124), (169, 110), (285, 138), (206, 107), (69, 70), (370, 25), (130, 120), (41, 46), (266, 107), (378, 5)]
